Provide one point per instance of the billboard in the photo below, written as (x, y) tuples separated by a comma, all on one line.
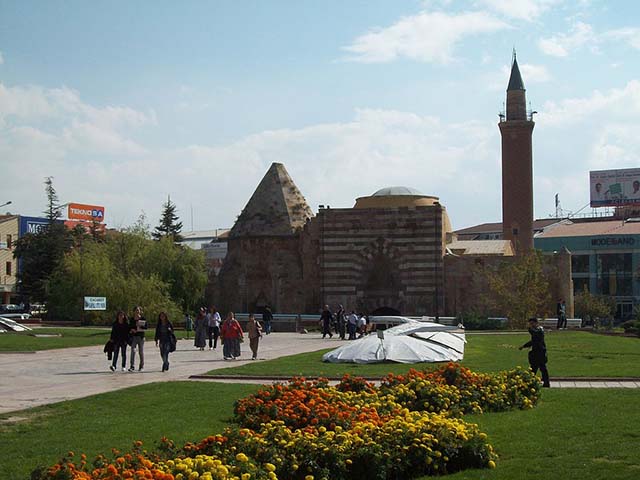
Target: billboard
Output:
[(80, 211), (32, 225), (610, 188)]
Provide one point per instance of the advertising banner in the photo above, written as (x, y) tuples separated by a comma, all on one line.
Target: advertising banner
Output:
[(32, 225), (610, 188), (95, 303), (80, 211)]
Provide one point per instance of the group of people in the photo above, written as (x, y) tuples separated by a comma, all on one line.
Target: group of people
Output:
[(342, 323), (209, 326), (129, 333)]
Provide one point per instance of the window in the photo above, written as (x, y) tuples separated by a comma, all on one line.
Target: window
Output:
[(579, 263), (8, 268), (614, 274), (580, 285), (9, 239)]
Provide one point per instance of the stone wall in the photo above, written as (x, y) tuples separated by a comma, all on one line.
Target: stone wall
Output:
[(388, 258), (467, 289), (260, 271)]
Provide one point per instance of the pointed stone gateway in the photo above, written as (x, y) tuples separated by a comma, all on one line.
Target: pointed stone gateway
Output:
[(276, 208)]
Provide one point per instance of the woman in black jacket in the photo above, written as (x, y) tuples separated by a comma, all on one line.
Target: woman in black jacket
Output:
[(120, 339), (165, 337)]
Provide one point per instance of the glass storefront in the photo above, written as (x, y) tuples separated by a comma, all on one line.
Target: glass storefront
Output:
[(614, 274)]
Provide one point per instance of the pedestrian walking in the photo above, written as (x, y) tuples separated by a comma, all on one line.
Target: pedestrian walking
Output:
[(254, 330), (213, 327), (538, 352), (232, 334), (165, 339), (326, 317), (362, 326), (120, 340), (137, 327), (342, 321), (352, 325), (200, 327), (561, 313), (188, 324), (267, 318)]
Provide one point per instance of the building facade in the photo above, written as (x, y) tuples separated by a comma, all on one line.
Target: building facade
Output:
[(605, 258), (9, 231)]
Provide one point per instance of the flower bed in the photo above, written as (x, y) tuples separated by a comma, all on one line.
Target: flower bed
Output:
[(304, 430)]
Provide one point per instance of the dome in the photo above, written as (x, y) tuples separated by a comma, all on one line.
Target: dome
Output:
[(394, 197), (393, 191)]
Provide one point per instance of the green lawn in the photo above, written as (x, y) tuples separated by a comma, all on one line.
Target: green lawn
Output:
[(182, 411), (577, 354), (47, 338), (55, 337), (571, 434)]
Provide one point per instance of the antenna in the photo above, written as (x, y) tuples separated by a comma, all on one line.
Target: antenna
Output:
[(513, 58), (191, 217)]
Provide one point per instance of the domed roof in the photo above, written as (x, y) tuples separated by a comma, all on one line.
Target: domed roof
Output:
[(389, 191), (394, 197)]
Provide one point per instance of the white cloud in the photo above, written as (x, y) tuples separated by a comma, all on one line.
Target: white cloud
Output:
[(76, 124), (332, 163), (426, 37), (628, 34), (617, 103), (520, 9), (562, 44)]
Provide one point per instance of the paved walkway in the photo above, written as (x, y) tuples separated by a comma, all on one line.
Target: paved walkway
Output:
[(32, 379)]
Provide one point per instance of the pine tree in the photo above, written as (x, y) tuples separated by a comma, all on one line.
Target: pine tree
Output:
[(53, 207), (169, 224)]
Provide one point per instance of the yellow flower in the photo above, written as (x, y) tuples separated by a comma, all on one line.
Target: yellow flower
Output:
[(241, 457), (491, 464), (270, 467)]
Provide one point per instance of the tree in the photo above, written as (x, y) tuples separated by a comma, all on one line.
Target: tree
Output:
[(593, 308), (53, 207), (169, 224), (40, 253), (520, 289)]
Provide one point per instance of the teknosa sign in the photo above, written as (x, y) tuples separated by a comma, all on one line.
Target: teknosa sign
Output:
[(79, 211)]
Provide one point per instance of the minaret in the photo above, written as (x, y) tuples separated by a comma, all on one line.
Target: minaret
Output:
[(517, 165)]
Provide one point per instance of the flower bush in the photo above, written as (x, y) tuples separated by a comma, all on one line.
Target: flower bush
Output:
[(308, 430)]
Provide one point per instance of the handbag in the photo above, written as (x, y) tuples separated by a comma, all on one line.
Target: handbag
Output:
[(173, 342)]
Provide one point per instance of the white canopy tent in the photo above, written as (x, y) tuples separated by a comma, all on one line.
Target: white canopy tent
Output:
[(410, 342)]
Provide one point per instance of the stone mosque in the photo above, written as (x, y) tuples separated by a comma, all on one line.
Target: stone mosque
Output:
[(393, 252)]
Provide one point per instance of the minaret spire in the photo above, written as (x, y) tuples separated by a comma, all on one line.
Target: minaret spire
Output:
[(517, 165)]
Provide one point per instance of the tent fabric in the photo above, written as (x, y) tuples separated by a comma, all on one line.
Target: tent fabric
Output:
[(409, 342)]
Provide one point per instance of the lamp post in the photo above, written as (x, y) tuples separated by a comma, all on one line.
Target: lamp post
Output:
[(5, 204)]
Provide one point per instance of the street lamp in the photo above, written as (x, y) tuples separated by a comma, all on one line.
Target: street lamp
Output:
[(5, 204)]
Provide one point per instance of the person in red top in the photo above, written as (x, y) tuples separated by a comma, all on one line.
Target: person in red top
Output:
[(232, 334)]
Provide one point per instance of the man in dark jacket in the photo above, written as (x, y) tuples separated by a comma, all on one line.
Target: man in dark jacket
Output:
[(538, 352), (325, 322)]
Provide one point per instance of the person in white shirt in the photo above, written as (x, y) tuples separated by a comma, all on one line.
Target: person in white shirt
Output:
[(352, 325), (213, 327)]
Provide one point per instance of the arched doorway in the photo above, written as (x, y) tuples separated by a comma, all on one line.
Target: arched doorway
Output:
[(385, 312)]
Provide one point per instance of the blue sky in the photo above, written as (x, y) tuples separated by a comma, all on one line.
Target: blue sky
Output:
[(124, 103)]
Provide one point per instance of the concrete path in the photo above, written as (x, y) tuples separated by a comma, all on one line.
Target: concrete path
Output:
[(49, 376)]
